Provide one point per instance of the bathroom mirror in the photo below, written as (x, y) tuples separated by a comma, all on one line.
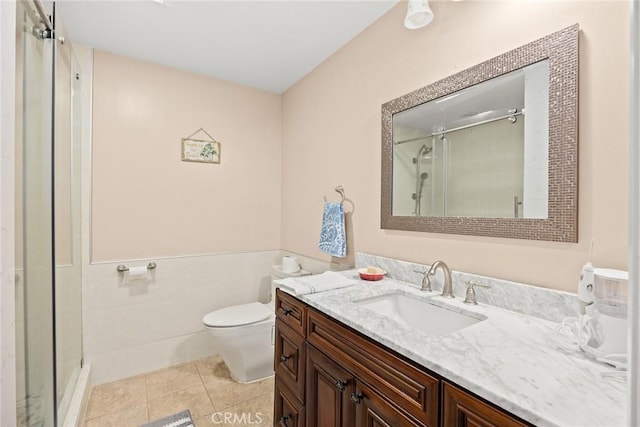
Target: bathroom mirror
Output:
[(489, 151)]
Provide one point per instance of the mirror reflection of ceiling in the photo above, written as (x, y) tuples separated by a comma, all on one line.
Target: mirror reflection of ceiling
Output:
[(228, 40), (491, 99)]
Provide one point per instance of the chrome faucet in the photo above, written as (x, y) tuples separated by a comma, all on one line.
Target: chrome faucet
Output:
[(447, 289)]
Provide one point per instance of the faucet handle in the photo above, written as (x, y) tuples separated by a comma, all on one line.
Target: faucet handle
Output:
[(426, 283), (470, 297)]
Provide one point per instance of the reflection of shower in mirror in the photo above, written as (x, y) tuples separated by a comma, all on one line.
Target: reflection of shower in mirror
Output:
[(423, 154)]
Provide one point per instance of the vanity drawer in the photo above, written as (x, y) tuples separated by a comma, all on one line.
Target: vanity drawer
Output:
[(407, 386), (289, 359), (291, 311), (461, 409), (287, 411)]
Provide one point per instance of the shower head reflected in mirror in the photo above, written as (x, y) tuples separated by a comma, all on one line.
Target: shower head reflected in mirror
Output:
[(423, 154)]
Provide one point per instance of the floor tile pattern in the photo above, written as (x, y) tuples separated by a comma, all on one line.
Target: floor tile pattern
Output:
[(204, 387)]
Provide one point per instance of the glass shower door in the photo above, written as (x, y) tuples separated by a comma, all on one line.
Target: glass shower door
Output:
[(68, 255), (48, 223)]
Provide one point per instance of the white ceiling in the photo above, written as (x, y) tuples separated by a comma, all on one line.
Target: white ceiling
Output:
[(263, 44)]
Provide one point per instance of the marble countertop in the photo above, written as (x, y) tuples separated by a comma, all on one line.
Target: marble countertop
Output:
[(514, 360)]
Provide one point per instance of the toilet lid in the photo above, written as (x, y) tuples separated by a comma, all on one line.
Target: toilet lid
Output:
[(237, 315)]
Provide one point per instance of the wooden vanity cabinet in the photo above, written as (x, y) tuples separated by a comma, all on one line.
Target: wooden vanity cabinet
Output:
[(329, 390), (328, 375), (288, 410), (291, 312), (399, 382), (289, 361), (461, 409), (337, 398), (373, 410)]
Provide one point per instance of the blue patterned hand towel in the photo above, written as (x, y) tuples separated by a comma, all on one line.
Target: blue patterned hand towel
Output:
[(333, 239)]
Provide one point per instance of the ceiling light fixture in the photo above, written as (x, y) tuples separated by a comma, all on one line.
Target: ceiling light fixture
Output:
[(419, 14)]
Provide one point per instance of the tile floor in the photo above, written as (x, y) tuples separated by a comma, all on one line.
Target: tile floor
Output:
[(204, 387)]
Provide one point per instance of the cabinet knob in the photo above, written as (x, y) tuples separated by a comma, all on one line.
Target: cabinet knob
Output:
[(341, 385), (284, 358), (356, 398), (286, 311), (283, 420)]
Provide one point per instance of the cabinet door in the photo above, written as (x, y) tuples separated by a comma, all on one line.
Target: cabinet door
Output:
[(329, 389), (372, 410), (461, 409), (289, 358), (287, 411)]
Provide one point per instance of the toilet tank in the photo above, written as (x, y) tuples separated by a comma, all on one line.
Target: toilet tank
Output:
[(276, 274)]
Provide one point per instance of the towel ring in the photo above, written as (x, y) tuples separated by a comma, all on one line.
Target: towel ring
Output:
[(340, 190)]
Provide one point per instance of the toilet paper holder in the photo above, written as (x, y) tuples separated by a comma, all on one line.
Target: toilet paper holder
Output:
[(122, 268)]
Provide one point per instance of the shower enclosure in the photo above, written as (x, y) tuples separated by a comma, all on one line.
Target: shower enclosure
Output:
[(48, 249), (480, 152)]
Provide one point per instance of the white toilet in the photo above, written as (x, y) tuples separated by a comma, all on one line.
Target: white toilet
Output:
[(244, 334)]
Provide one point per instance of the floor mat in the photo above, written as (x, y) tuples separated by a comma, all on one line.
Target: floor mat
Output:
[(181, 419)]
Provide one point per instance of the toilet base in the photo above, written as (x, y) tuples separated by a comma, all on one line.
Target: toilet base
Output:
[(247, 350), (248, 367)]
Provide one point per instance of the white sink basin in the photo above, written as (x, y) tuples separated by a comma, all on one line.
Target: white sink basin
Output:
[(418, 314)]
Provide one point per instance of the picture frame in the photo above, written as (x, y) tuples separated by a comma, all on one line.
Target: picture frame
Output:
[(200, 151)]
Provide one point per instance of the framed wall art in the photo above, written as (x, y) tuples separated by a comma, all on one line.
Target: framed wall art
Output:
[(200, 150)]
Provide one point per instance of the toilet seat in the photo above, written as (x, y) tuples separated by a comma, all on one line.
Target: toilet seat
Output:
[(238, 315)]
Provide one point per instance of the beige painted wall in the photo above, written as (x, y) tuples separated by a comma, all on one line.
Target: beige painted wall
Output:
[(146, 202), (331, 133)]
